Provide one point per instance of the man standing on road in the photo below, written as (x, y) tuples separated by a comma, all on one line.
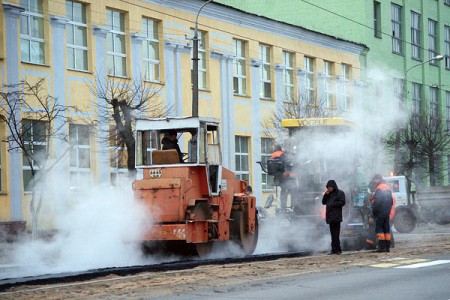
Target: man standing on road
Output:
[(334, 199), (383, 203)]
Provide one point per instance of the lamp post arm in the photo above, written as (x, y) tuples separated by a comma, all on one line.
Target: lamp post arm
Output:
[(437, 57)]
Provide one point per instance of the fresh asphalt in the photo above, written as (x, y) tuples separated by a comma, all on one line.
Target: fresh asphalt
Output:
[(413, 281)]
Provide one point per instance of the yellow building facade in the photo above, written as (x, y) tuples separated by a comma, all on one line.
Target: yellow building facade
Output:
[(249, 68)]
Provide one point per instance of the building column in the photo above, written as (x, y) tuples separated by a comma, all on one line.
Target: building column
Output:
[(11, 33), (174, 82), (61, 147), (280, 95), (226, 98), (136, 56), (256, 128), (102, 142)]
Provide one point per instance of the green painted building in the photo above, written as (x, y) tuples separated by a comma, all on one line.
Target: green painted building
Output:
[(403, 37)]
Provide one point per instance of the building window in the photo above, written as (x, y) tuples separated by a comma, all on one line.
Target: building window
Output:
[(32, 48), (417, 99), (267, 146), (415, 36), (377, 19), (398, 88), (150, 49), (288, 76), (432, 41), (118, 156), (202, 84), (447, 96), (434, 100), (35, 144), (309, 84), (447, 2), (345, 76), (239, 68), (266, 79), (116, 59), (80, 156), (447, 46), (328, 84), (77, 50), (396, 11), (242, 159)]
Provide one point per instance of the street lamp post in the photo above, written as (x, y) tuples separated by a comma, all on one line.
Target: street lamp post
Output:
[(397, 133), (195, 60)]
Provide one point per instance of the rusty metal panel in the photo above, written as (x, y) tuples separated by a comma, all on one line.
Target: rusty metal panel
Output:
[(157, 183), (251, 214), (197, 232), (169, 232)]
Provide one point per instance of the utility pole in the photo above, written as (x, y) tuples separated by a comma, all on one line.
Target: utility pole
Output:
[(195, 60)]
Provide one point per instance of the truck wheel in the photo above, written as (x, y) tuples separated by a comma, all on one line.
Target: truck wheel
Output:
[(202, 213), (404, 220), (238, 228)]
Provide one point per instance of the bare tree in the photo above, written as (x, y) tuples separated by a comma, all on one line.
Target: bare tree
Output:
[(121, 101), (425, 141), (34, 120), (303, 106)]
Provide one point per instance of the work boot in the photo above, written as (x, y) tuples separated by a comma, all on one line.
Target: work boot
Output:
[(381, 246), (388, 246)]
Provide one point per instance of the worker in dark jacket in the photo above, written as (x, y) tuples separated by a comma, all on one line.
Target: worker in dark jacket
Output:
[(170, 141), (282, 178), (334, 199), (383, 203)]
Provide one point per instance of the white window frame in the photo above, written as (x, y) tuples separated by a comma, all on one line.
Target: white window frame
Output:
[(32, 37), (417, 98), (447, 46), (37, 139), (151, 50), (447, 96), (433, 44), (240, 67), (266, 72), (242, 149), (266, 152), (416, 48), (328, 83), (377, 19), (79, 176), (113, 53), (288, 76), (202, 61), (434, 103), (117, 171), (79, 51), (397, 32), (310, 81), (345, 76)]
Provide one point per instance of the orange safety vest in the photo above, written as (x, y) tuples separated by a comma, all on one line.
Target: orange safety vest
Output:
[(384, 186), (277, 153)]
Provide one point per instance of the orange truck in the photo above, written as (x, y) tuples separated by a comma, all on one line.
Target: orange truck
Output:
[(192, 201)]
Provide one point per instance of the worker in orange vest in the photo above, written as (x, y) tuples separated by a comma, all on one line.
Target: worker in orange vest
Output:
[(383, 209), (281, 179)]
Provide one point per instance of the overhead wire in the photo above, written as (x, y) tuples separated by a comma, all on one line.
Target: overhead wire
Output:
[(181, 33)]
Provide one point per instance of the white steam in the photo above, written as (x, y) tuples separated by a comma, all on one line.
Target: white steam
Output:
[(99, 228)]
